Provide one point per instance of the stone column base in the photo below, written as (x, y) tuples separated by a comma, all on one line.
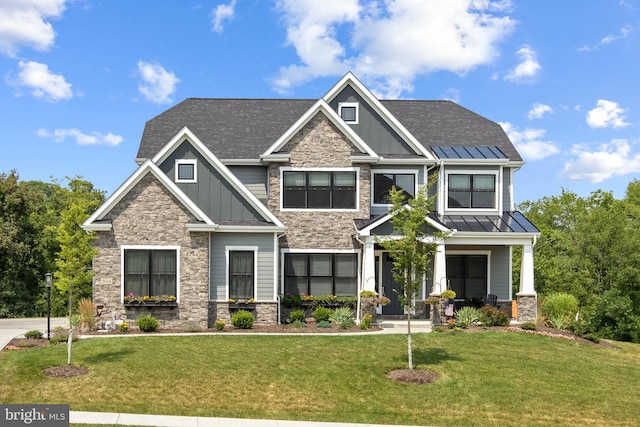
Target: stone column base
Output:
[(527, 308)]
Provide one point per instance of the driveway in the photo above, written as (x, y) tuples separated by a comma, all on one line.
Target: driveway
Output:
[(12, 328)]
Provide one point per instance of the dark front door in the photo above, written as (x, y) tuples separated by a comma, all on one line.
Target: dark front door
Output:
[(392, 290)]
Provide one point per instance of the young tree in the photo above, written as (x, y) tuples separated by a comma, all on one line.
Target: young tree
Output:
[(412, 248)]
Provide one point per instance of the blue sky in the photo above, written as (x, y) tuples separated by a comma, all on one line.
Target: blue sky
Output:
[(81, 77)]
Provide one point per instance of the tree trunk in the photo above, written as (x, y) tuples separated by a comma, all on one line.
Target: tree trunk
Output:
[(409, 346)]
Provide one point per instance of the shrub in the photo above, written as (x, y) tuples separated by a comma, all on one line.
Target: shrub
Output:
[(493, 316), (147, 323), (219, 324), (124, 327), (296, 315), (559, 304), (61, 335), (448, 294), (366, 321), (299, 324), (321, 313), (368, 294), (467, 315), (323, 324), (592, 337), (87, 312), (35, 334), (559, 321), (343, 317), (614, 317), (529, 326), (242, 319)]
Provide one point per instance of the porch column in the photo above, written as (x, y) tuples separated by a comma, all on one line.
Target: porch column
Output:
[(527, 297), (369, 265), (439, 271)]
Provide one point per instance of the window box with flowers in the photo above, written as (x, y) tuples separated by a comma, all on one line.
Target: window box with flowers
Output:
[(150, 301), (242, 304)]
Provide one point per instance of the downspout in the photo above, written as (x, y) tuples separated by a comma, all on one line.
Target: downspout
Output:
[(358, 308), (278, 294)]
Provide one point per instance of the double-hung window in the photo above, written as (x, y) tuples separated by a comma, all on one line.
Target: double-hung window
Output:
[(472, 191), (384, 182), (241, 274), (319, 190), (150, 272), (321, 273)]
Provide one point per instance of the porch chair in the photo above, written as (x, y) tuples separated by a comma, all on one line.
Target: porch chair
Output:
[(491, 299)]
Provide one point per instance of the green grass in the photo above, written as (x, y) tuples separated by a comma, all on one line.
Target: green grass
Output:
[(488, 379)]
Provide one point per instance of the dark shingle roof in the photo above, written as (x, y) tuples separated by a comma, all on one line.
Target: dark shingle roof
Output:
[(245, 128)]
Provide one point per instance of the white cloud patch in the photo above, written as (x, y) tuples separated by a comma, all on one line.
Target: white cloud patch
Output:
[(528, 67), (623, 34), (25, 23), (388, 44), (539, 110), (222, 13), (43, 83), (609, 160), (606, 114), (94, 138), (529, 142), (158, 84)]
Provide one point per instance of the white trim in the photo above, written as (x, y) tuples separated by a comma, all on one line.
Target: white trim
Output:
[(232, 248), (355, 105), (192, 162), (350, 79), (366, 231), (414, 172), (314, 169), (319, 107), (497, 196), (152, 248)]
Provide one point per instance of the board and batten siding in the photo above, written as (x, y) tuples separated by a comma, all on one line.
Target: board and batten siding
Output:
[(212, 192), (264, 270)]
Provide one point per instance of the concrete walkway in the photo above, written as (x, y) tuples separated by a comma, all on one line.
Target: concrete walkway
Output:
[(176, 421), (14, 328)]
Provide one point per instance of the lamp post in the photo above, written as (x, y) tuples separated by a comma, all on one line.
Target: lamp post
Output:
[(47, 280)]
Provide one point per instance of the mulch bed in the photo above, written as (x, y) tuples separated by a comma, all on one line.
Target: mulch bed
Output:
[(65, 371), (413, 376)]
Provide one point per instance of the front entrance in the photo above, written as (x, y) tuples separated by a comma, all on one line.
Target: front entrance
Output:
[(388, 286)]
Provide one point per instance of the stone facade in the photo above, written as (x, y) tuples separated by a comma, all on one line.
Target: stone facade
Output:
[(150, 215), (265, 313), (527, 308)]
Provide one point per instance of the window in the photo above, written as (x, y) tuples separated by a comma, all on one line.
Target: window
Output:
[(472, 191), (150, 272), (349, 112), (186, 171), (320, 274), (319, 190), (383, 182), (467, 275), (241, 274)]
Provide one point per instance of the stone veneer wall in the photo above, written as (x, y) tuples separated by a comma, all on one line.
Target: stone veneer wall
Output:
[(149, 215), (265, 313), (527, 308)]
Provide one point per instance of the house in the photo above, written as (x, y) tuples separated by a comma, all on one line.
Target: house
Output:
[(251, 199)]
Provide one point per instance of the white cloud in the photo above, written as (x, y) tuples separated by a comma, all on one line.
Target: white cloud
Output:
[(624, 33), (528, 142), (539, 110), (43, 83), (527, 69), (24, 23), (95, 138), (606, 114), (221, 13), (388, 44), (611, 159), (158, 84)]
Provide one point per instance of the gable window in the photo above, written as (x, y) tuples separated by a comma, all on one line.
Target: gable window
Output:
[(321, 273), (349, 112), (384, 182), (467, 275), (319, 190), (152, 272), (241, 274), (186, 171), (472, 191)]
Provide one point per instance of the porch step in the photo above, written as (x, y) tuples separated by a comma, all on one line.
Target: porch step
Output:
[(417, 325)]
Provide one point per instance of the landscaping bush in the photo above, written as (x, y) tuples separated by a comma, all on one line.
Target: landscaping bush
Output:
[(323, 324), (86, 313), (559, 304), (343, 317), (559, 321), (61, 335), (147, 323), (35, 334), (366, 321), (219, 324), (242, 319), (299, 324), (467, 315), (493, 316), (529, 326), (614, 317), (321, 313), (296, 315)]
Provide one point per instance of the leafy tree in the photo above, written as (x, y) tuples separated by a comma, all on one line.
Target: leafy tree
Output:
[(412, 249)]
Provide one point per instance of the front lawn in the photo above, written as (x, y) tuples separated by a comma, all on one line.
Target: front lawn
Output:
[(487, 379)]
